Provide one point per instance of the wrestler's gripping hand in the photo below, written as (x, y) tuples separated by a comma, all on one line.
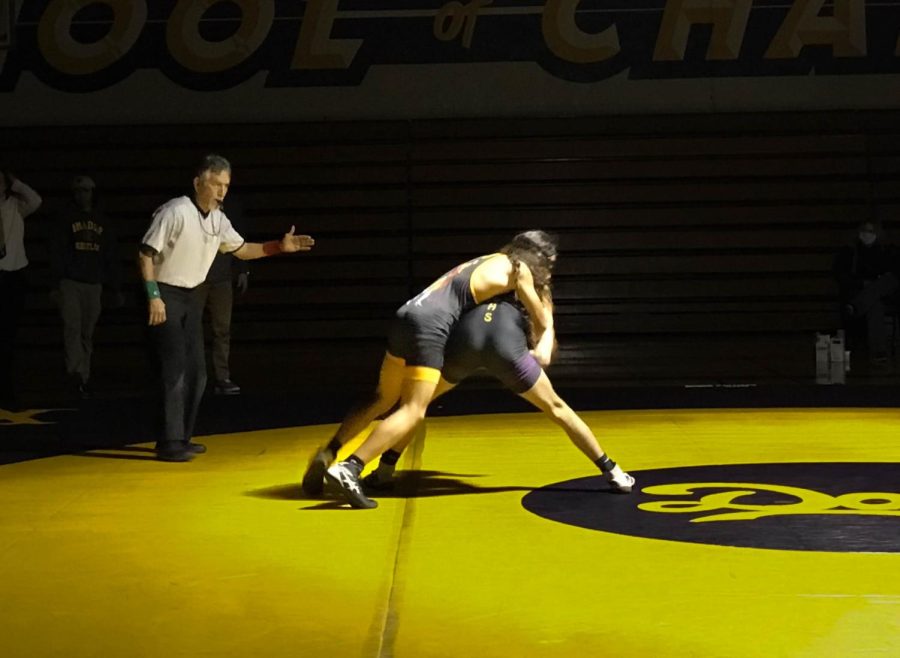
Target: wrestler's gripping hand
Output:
[(542, 355)]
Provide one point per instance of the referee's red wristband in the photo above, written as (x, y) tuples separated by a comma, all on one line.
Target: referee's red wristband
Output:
[(271, 247)]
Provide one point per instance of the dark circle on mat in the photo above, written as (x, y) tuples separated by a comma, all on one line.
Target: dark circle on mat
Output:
[(830, 507)]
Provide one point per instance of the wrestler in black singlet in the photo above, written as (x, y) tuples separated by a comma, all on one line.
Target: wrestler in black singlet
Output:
[(422, 325), (492, 337)]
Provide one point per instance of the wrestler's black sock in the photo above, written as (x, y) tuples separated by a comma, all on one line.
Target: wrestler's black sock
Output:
[(355, 464), (333, 446), (390, 457), (605, 464)]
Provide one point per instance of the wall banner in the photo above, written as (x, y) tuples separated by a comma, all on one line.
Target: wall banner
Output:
[(87, 46)]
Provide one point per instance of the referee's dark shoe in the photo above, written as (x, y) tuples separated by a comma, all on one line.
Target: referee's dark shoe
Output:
[(173, 453)]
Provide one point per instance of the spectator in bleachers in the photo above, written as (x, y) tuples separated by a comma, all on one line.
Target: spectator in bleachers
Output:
[(17, 201), (84, 255), (868, 284)]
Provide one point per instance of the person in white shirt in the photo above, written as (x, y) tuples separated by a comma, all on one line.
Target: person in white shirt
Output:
[(175, 255), (17, 201)]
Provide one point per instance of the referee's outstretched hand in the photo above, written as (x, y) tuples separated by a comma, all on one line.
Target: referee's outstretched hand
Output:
[(291, 242)]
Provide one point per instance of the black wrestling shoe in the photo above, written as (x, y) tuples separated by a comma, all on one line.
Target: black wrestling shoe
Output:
[(343, 479), (195, 448), (314, 479), (378, 480)]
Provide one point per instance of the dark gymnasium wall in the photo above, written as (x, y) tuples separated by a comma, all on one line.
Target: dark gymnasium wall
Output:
[(695, 226), (700, 162)]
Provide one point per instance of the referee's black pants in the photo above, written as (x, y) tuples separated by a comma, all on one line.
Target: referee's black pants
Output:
[(179, 347)]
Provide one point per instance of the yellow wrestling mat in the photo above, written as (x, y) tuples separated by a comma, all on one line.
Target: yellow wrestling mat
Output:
[(502, 546)]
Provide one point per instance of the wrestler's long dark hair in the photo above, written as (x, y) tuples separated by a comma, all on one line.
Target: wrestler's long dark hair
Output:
[(537, 250)]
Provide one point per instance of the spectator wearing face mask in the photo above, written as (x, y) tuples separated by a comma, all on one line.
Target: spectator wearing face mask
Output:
[(867, 284)]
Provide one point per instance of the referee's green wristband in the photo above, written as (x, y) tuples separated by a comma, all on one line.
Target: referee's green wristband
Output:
[(152, 289)]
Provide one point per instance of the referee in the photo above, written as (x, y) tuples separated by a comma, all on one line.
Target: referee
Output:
[(175, 255)]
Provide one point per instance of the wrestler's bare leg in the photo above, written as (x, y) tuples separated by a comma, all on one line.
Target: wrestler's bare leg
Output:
[(543, 396)]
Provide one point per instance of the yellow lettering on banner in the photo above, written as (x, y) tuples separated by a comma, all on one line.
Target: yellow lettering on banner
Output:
[(67, 55), (845, 31), (315, 48), (569, 42), (455, 18), (195, 53), (727, 17)]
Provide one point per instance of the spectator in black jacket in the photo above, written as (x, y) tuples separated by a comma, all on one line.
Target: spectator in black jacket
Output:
[(217, 296), (867, 283), (84, 257)]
